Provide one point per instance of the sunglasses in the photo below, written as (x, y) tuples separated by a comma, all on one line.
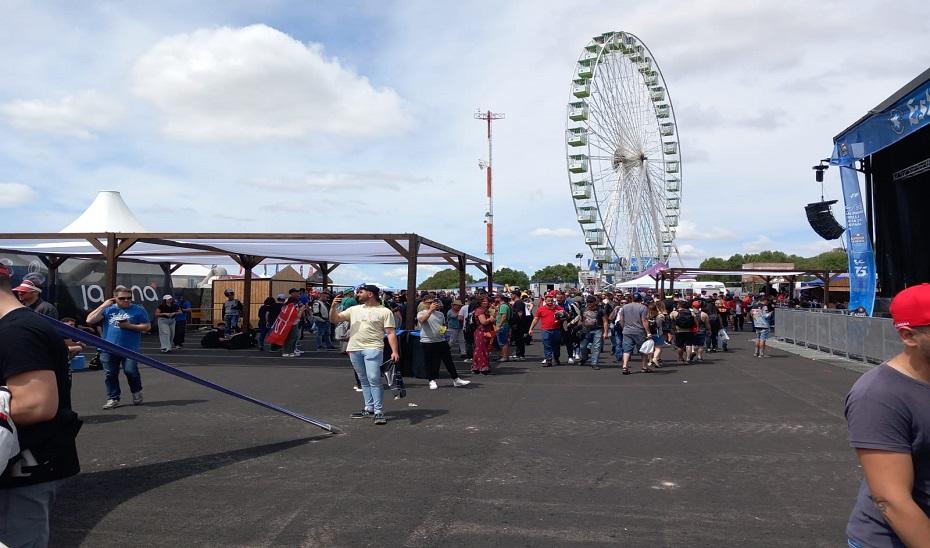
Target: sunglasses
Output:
[(124, 298)]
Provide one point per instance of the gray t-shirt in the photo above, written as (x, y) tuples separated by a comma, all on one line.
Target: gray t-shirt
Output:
[(429, 329), (889, 411), (633, 315)]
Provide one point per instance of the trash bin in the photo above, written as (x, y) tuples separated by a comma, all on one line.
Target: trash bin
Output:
[(411, 354), (78, 362)]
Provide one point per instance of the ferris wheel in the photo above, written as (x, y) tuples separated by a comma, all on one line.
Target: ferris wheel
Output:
[(624, 165)]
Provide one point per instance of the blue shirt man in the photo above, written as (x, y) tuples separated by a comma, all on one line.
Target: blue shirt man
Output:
[(181, 319), (123, 325)]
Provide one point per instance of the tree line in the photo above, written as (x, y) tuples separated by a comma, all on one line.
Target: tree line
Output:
[(834, 259)]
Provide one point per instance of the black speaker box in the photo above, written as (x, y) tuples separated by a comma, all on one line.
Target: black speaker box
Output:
[(821, 220)]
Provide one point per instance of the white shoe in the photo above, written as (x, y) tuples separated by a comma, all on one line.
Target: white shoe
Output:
[(298, 352), (433, 385), (571, 360), (111, 404), (544, 361), (288, 355), (356, 388), (460, 382)]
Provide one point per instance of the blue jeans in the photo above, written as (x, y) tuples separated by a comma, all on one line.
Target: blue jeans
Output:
[(111, 364), (323, 334), (262, 333), (552, 342), (232, 322), (595, 338), (367, 364), (25, 512)]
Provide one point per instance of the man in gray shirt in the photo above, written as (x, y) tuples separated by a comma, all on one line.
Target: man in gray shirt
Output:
[(888, 413), (634, 319), (31, 295)]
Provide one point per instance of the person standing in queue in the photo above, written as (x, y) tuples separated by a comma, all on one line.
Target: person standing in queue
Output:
[(369, 322)]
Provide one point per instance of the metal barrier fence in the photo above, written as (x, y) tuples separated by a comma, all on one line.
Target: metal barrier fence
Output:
[(870, 340)]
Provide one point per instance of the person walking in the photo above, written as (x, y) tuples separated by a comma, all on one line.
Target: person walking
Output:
[(502, 327), (760, 320), (320, 315), (37, 400), (370, 322), (549, 316), (435, 347), (123, 325), (634, 325), (454, 326), (888, 415), (685, 325), (594, 325), (263, 325), (164, 317), (520, 323)]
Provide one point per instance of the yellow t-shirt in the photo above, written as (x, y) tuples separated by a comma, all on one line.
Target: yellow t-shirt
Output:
[(367, 325)]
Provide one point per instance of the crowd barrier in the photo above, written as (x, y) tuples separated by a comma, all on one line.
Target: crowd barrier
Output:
[(869, 340)]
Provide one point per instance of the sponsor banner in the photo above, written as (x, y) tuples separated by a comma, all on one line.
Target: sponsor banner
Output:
[(859, 245), (884, 128)]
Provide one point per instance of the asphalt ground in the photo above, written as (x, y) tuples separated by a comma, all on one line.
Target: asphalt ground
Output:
[(735, 451)]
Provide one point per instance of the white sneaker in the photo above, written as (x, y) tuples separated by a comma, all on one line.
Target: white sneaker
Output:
[(298, 352), (288, 355), (357, 388), (460, 382), (544, 361), (433, 385), (137, 397), (111, 404), (571, 360)]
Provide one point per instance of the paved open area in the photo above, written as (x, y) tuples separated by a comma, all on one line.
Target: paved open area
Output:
[(735, 451)]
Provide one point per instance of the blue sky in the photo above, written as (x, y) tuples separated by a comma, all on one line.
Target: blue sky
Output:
[(298, 116)]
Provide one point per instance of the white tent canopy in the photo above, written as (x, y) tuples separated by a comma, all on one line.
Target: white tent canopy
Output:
[(107, 213)]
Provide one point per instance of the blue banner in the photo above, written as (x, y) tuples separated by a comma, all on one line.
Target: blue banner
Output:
[(884, 128), (858, 244)]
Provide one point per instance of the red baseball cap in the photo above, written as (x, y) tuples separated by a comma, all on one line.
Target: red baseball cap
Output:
[(696, 303), (552, 293), (911, 307)]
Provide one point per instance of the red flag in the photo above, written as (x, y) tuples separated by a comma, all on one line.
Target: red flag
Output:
[(282, 326)]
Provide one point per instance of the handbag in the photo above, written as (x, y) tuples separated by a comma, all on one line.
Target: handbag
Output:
[(342, 331), (647, 347)]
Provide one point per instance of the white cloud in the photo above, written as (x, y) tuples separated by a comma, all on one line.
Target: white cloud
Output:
[(256, 83), (80, 114), (688, 230), (340, 181), (555, 233), (688, 251), (15, 195), (762, 243)]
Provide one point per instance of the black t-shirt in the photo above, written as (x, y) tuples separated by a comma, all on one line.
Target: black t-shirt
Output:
[(518, 307), (29, 343), (273, 311), (168, 308)]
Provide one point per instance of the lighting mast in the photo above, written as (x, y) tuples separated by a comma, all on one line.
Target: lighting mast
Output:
[(489, 216)]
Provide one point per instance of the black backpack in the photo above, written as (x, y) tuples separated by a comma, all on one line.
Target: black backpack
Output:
[(713, 316), (471, 324), (685, 319)]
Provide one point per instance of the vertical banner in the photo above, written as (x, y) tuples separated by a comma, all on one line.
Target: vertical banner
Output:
[(859, 244)]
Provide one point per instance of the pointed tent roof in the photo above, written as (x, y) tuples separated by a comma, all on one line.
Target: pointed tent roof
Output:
[(107, 213)]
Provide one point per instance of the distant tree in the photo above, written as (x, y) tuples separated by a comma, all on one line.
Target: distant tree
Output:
[(834, 259), (444, 279), (567, 272), (511, 277), (718, 264)]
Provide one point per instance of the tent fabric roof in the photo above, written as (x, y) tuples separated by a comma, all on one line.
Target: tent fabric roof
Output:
[(107, 213), (219, 248)]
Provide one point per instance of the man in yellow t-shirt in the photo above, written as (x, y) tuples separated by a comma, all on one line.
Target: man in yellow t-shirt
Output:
[(369, 322)]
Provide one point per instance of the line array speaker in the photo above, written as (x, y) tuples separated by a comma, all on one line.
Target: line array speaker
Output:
[(822, 221)]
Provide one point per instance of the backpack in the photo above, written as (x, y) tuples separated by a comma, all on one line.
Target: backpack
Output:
[(713, 316), (685, 320), (471, 324)]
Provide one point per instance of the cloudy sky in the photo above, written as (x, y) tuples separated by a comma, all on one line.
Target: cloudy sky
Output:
[(352, 116)]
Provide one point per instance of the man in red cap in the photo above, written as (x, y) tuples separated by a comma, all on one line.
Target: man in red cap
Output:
[(550, 316), (888, 414), (31, 295)]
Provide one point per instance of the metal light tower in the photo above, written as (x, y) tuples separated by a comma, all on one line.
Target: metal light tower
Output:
[(489, 216)]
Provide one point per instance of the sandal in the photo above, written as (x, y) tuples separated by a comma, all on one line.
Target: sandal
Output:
[(647, 370), (625, 371)]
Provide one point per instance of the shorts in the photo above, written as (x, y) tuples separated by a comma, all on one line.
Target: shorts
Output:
[(684, 338), (632, 343), (503, 335), (762, 334), (659, 340), (700, 339)]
